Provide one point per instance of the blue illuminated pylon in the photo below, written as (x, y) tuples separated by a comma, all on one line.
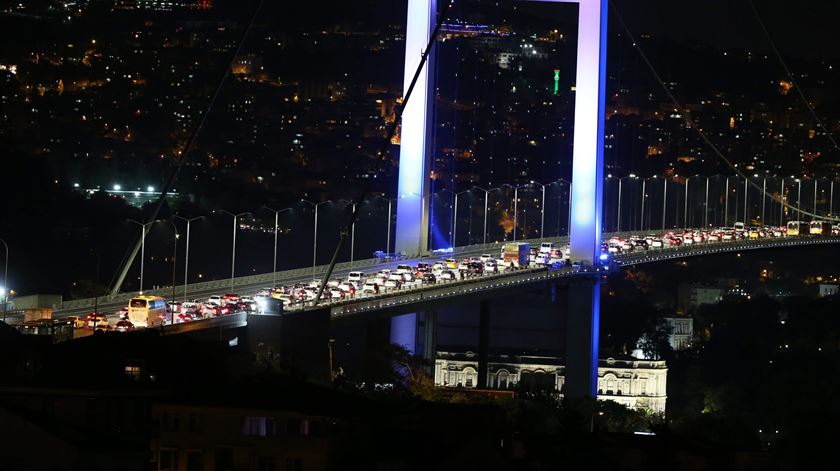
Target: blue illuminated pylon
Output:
[(587, 167)]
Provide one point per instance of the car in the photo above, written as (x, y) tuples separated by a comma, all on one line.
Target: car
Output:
[(451, 263), (230, 308), (211, 310), (428, 278), (448, 275), (122, 313), (423, 267), (371, 287), (438, 266), (348, 288), (123, 325), (656, 243), (77, 321), (394, 281), (337, 293), (247, 304), (215, 299), (402, 268), (190, 308), (356, 276), (97, 321), (490, 266)]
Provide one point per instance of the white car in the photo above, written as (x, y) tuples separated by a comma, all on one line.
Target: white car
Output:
[(656, 244), (356, 276), (448, 275), (546, 247), (98, 322), (371, 287), (485, 257), (404, 269), (216, 300), (490, 266), (394, 281), (438, 267)]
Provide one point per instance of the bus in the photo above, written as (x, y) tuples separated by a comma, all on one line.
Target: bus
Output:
[(796, 228), (147, 311), (820, 228)]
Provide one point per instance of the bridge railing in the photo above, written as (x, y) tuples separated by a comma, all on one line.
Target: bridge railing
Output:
[(316, 272)]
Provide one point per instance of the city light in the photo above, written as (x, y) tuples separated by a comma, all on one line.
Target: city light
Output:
[(117, 187), (150, 189)]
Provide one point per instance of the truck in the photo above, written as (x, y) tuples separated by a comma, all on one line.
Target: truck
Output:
[(516, 255)]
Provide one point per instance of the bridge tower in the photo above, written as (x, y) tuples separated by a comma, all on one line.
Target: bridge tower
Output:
[(587, 174)]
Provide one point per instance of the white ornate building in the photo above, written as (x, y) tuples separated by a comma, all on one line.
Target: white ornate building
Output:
[(635, 383)]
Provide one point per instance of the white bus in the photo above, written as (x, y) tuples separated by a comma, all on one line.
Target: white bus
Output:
[(147, 311)]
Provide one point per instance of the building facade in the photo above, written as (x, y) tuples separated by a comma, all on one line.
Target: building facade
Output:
[(635, 383), (682, 332)]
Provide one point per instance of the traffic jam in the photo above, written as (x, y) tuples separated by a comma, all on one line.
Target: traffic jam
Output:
[(152, 311)]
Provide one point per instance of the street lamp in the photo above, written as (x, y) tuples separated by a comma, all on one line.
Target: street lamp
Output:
[(144, 230), (276, 221), (388, 236), (174, 266), (233, 249), (4, 288), (315, 236), (486, 198), (542, 207), (187, 258), (453, 238), (515, 205)]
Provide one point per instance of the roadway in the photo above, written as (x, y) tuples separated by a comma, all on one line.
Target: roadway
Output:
[(446, 289)]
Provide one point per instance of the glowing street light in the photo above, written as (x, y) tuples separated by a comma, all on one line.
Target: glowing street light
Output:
[(276, 220), (315, 236), (233, 248), (187, 261)]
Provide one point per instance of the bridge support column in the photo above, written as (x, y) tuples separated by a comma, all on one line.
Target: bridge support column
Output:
[(582, 330), (404, 331), (429, 340), (415, 163), (483, 343)]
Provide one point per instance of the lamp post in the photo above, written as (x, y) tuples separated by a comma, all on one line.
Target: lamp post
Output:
[(706, 205), (174, 265), (142, 247), (763, 199), (233, 244), (353, 235), (276, 223), (782, 200), (187, 257), (831, 198), (5, 286), (454, 239), (515, 206), (664, 200), (542, 208), (685, 204), (816, 184), (798, 198), (388, 236), (642, 215), (746, 197), (726, 202), (315, 235), (486, 198)]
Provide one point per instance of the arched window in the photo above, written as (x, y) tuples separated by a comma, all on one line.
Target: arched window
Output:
[(502, 379), (470, 377)]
